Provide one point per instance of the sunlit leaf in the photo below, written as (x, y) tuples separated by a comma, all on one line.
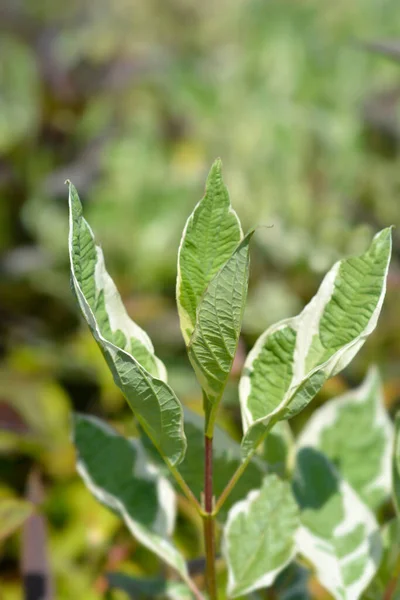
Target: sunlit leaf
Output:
[(151, 399), (355, 432), (259, 536), (291, 360), (211, 235), (214, 340), (339, 534), (118, 474)]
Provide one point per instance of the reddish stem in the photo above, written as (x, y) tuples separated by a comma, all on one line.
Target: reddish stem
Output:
[(208, 519)]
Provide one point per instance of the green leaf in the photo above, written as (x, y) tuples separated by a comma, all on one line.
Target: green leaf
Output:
[(214, 341), (291, 361), (355, 432), (259, 536), (389, 569), (100, 294), (140, 588), (117, 472), (210, 236), (339, 534), (125, 346), (13, 513), (396, 465)]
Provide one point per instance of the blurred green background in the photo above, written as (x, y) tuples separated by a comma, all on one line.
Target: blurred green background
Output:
[(132, 100)]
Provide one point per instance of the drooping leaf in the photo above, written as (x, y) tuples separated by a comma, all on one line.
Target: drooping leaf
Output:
[(259, 536), (339, 534), (128, 352), (388, 574), (139, 588), (291, 361), (13, 513), (211, 234), (396, 465), (117, 472), (214, 340), (355, 432)]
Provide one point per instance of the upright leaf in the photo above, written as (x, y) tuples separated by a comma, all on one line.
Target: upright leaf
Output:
[(355, 432), (396, 465), (128, 351), (118, 474), (291, 360), (210, 236), (259, 536), (215, 337), (339, 534)]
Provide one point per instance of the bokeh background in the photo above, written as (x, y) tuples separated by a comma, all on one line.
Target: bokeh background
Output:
[(132, 100)]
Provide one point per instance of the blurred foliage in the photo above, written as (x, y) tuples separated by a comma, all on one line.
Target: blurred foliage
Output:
[(132, 101)]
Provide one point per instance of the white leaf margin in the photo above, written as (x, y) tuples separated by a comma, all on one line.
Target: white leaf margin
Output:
[(166, 496), (306, 325), (320, 553), (243, 507), (326, 415)]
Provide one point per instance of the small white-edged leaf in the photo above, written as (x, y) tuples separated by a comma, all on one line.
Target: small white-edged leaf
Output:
[(118, 474), (212, 346), (396, 465), (131, 359), (259, 536), (291, 361), (339, 534), (356, 433), (211, 234)]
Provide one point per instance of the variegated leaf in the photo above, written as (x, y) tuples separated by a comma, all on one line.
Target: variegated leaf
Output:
[(125, 346), (211, 235), (339, 534), (212, 346), (118, 474), (291, 360), (259, 536), (355, 432), (101, 295)]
